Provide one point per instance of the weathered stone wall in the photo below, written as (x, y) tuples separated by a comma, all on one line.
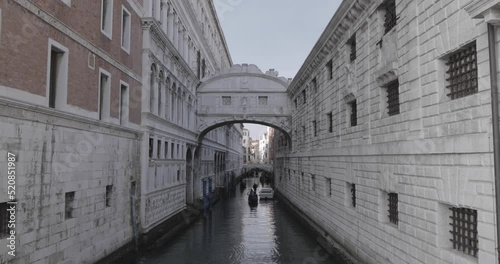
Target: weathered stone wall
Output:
[(59, 153), (435, 154)]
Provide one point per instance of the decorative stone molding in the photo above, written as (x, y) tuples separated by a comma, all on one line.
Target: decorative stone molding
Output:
[(349, 97), (484, 9), (387, 74)]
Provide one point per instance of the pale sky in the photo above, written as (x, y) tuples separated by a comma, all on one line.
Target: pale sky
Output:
[(273, 34)]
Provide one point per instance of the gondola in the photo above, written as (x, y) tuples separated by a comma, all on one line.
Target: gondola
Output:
[(253, 198)]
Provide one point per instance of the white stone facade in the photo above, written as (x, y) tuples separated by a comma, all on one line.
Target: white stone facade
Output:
[(435, 154)]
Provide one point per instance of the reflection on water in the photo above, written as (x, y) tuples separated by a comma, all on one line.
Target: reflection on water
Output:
[(236, 233)]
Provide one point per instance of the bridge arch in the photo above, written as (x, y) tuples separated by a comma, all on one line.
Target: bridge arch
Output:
[(244, 94)]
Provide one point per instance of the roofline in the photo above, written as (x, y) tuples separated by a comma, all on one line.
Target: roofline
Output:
[(221, 33)]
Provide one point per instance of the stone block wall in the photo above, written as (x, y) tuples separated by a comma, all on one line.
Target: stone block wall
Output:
[(435, 154)]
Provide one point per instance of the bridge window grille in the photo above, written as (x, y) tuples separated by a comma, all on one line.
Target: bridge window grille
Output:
[(262, 100), (393, 98), (352, 44), (391, 18), (226, 100), (464, 230), (353, 194), (4, 220), (393, 208), (354, 113), (329, 70), (462, 72), (329, 116)]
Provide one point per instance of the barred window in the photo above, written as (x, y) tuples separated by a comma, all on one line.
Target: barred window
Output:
[(329, 116), (354, 113), (390, 15), (329, 69), (353, 194), (314, 85), (295, 102), (69, 199), (304, 96), (109, 192), (313, 183), (352, 44), (393, 208), (462, 72), (328, 186), (393, 98), (151, 142), (226, 100), (463, 231), (4, 220), (262, 100)]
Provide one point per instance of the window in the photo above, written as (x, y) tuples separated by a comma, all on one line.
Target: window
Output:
[(304, 132), (262, 100), (104, 95), (314, 85), (295, 103), (151, 142), (4, 220), (463, 231), (352, 44), (178, 175), (69, 199), (304, 99), (123, 103), (198, 64), (329, 117), (313, 183), (226, 100), (353, 195), (393, 208), (172, 150), (158, 149), (166, 150), (393, 98), (328, 187), (329, 69), (354, 113), (57, 74), (315, 128), (203, 68), (390, 15), (107, 17), (109, 193), (462, 72), (126, 29)]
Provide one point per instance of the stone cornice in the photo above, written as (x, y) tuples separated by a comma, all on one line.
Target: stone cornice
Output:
[(221, 32), (346, 15), (477, 7), (139, 10)]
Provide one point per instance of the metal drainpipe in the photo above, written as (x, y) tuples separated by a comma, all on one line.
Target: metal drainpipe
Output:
[(495, 121)]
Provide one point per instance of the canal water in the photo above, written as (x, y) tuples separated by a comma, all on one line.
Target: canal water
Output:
[(236, 233)]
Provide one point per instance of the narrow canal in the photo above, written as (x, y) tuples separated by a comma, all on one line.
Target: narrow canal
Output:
[(236, 233)]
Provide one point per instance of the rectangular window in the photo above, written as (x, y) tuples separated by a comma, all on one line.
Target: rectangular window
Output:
[(329, 117), (198, 64), (262, 100), (393, 98), (109, 193), (69, 199), (172, 150), (304, 132), (315, 128), (151, 143), (462, 72), (354, 113), (329, 70), (463, 231), (123, 104), (126, 29), (178, 175), (393, 208), (226, 100), (4, 220), (107, 17), (314, 85), (353, 195), (57, 74), (304, 99), (313, 183), (104, 94), (390, 15), (166, 150), (352, 45), (158, 149), (295, 103), (203, 68)]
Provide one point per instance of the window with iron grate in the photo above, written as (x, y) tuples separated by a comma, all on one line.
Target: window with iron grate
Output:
[(352, 44), (463, 231), (304, 99), (393, 208), (329, 69), (354, 113), (391, 18), (315, 128), (226, 100), (69, 199), (353, 194), (329, 117), (393, 98), (462, 72), (4, 220)]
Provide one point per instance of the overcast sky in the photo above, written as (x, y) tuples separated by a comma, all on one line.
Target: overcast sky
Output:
[(273, 34)]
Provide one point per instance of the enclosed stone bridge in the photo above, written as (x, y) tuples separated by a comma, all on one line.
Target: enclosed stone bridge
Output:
[(244, 94), (264, 167)]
